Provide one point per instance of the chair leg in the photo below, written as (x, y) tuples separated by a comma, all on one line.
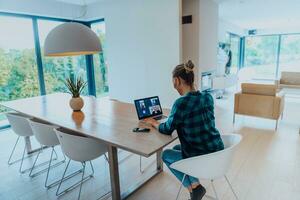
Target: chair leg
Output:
[(106, 158), (47, 169), (79, 183), (227, 180), (33, 166), (180, 187), (233, 121), (276, 125), (214, 189), (92, 169), (49, 166), (21, 165), (82, 177), (63, 176), (55, 154), (12, 152)]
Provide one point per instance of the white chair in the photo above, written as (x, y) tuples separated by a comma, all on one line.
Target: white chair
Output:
[(210, 166), (46, 136), (20, 125), (81, 149)]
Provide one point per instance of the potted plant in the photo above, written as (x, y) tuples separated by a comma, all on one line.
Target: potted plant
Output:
[(75, 86)]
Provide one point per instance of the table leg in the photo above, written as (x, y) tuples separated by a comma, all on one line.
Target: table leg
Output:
[(29, 149), (114, 173), (159, 162), (28, 145), (115, 179)]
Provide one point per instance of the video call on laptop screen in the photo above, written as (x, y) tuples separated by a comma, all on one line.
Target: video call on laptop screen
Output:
[(148, 107)]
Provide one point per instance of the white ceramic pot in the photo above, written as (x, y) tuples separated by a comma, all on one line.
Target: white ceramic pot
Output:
[(76, 103)]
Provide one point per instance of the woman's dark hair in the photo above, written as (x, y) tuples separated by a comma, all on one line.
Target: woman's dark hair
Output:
[(185, 72)]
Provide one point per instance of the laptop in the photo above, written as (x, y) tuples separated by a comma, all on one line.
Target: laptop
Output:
[(149, 107)]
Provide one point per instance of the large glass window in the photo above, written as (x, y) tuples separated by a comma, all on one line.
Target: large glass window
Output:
[(57, 69), (19, 76), (235, 49), (290, 53), (261, 54), (100, 64)]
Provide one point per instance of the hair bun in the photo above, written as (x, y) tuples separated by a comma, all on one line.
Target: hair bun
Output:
[(189, 66)]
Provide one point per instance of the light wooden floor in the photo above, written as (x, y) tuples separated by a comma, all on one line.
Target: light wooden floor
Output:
[(266, 165)]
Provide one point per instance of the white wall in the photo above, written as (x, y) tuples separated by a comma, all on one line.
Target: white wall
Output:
[(42, 8), (208, 37), (200, 39), (190, 34), (143, 47), (225, 27)]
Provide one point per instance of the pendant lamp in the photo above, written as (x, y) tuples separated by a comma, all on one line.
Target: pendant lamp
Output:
[(71, 39)]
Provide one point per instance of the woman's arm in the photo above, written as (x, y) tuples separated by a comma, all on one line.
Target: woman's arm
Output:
[(171, 124)]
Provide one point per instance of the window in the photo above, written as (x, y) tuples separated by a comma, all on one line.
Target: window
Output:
[(261, 54), (235, 49), (19, 76), (57, 69), (19, 71), (290, 53), (100, 64)]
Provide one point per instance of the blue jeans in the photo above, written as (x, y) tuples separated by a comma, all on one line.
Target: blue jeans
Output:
[(170, 156)]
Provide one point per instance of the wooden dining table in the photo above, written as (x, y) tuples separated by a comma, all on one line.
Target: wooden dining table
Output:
[(109, 121)]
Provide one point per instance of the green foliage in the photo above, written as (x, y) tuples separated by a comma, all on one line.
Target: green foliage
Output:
[(100, 63), (261, 50), (75, 86)]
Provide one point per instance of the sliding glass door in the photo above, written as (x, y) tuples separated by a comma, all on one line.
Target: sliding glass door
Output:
[(261, 53)]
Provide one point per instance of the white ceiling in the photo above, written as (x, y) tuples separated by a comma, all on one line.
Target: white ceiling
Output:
[(78, 2), (261, 14)]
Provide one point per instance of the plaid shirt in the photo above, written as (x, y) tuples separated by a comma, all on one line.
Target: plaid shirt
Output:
[(193, 117)]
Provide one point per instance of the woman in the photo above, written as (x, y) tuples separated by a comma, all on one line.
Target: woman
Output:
[(192, 115)]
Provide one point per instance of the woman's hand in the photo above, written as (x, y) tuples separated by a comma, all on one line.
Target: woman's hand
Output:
[(152, 122)]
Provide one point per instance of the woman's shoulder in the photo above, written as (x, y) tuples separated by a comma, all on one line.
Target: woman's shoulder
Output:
[(206, 98)]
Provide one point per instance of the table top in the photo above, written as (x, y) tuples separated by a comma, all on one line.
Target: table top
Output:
[(107, 120)]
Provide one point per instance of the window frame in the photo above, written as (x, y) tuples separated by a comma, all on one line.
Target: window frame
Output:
[(278, 53), (38, 54)]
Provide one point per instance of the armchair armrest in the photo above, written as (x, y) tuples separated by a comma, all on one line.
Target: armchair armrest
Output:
[(278, 105), (236, 102)]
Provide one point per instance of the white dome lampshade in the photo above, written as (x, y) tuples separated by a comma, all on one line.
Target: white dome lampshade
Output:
[(71, 39)]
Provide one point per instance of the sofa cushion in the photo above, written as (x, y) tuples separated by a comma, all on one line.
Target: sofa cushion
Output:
[(259, 89), (290, 78)]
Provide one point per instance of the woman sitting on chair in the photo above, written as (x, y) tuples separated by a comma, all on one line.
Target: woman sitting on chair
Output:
[(192, 115)]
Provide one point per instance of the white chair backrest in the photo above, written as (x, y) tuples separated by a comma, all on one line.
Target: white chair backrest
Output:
[(44, 132), (19, 124), (78, 147), (210, 166)]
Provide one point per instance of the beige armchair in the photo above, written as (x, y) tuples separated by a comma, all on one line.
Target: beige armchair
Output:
[(259, 100), (289, 80)]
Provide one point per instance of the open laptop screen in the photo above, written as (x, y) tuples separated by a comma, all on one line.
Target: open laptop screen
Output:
[(148, 107)]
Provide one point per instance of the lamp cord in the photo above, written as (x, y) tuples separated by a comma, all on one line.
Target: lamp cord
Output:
[(84, 11)]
